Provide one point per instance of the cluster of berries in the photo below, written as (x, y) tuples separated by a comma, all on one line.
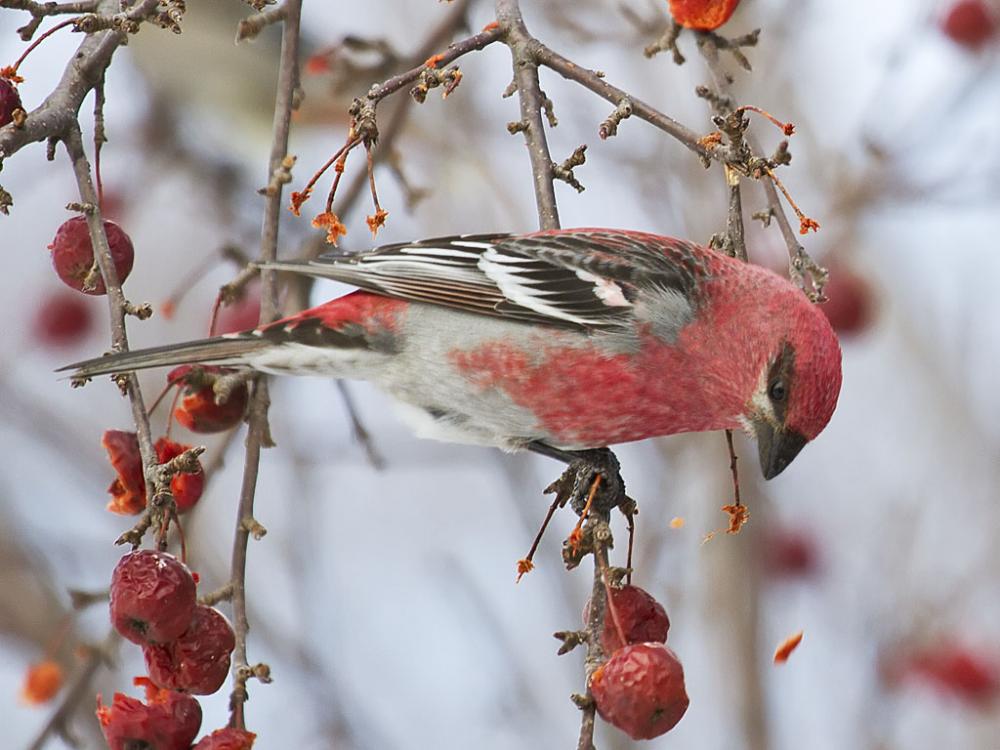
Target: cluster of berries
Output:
[(640, 688), (187, 647)]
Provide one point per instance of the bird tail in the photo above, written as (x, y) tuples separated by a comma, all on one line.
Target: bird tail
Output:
[(231, 350)]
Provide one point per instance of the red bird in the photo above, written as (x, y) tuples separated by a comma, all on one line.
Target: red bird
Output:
[(567, 340)]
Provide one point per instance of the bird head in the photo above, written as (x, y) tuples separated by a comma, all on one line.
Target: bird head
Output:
[(797, 387)]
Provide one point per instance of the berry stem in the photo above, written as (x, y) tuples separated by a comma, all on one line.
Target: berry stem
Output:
[(11, 72)]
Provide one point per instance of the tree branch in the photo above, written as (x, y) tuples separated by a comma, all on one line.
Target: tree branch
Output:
[(522, 45), (59, 112), (258, 432)]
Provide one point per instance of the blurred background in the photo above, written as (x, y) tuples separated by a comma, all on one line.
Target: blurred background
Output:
[(383, 596)]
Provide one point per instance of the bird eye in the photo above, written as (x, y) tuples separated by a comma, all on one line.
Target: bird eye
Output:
[(777, 391)]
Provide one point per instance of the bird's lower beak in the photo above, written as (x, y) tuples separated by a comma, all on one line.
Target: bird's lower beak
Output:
[(777, 448)]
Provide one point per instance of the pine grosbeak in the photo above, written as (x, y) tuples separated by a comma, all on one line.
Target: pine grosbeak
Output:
[(566, 339)]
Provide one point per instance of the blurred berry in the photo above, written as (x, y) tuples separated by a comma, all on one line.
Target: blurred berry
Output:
[(42, 682), (850, 301), (62, 319), (241, 315), (970, 23)]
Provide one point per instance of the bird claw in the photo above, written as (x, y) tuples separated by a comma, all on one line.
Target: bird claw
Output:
[(575, 485)]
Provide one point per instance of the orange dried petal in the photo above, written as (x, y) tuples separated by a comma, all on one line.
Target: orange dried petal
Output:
[(332, 224), (738, 516), (298, 199), (783, 651), (377, 221)]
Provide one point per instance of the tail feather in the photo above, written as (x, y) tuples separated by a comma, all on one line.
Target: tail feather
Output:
[(219, 350)]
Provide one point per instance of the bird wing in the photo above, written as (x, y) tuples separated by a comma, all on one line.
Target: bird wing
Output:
[(568, 278)]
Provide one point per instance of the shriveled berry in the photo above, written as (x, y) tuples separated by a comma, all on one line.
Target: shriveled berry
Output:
[(9, 101), (198, 410), (198, 660), (640, 690), (73, 254), (168, 720), (702, 15), (42, 682), (642, 618), (970, 23), (152, 597), (128, 489), (62, 319), (227, 739), (185, 487)]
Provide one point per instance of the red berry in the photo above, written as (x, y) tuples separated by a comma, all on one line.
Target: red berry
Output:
[(850, 303), (128, 490), (642, 618), (198, 410), (73, 253), (186, 488), (640, 690), (9, 101), (241, 315), (197, 661), (970, 23), (152, 597), (166, 721), (63, 319), (227, 739), (703, 15)]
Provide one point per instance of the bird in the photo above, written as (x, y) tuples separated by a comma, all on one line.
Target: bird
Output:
[(559, 341)]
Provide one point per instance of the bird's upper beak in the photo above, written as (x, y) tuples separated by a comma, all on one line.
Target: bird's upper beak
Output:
[(777, 447)]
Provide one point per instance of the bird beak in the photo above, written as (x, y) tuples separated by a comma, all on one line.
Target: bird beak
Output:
[(777, 447)]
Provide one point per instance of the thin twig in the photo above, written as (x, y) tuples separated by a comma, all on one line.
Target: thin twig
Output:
[(258, 433), (589, 79), (476, 42)]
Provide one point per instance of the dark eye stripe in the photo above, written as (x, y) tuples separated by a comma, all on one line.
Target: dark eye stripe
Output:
[(780, 380)]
